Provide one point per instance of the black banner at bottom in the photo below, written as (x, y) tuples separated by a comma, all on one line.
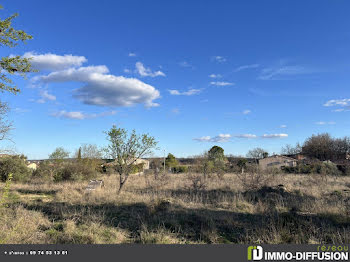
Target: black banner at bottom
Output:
[(179, 253)]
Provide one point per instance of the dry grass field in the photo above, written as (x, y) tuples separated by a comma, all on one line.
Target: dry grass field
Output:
[(173, 209)]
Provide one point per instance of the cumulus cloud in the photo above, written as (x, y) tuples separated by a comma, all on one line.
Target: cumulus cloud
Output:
[(143, 71), (80, 115), (50, 61), (218, 83), (190, 92), (325, 123), (337, 102), (245, 136), (45, 96), (246, 112), (228, 137), (274, 135), (215, 76), (103, 89), (278, 72), (219, 59), (221, 138), (245, 67)]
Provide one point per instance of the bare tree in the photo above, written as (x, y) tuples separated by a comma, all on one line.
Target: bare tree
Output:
[(89, 151), (126, 149), (5, 125), (257, 153), (291, 150), (325, 147)]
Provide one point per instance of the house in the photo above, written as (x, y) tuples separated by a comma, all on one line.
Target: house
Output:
[(32, 166), (277, 161), (136, 162), (142, 161)]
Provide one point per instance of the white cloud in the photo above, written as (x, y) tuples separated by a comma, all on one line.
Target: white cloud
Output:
[(20, 110), (175, 111), (186, 64), (50, 61), (104, 89), (80, 115), (221, 138), (245, 136), (274, 136), (340, 110), (127, 71), (278, 72), (45, 96), (246, 112), (143, 71), (132, 54), (215, 76), (203, 139), (325, 123), (218, 83), (245, 67), (337, 102), (227, 137), (219, 59), (283, 126), (190, 92)]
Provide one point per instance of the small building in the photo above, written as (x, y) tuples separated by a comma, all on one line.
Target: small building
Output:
[(136, 162), (32, 166), (144, 162), (277, 161)]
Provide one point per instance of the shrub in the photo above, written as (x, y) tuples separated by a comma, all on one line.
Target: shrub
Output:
[(324, 168), (45, 171), (15, 165), (179, 169), (75, 171), (329, 168), (137, 168), (62, 171)]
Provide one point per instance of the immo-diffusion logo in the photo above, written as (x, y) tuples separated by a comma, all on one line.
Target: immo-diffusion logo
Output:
[(330, 253), (255, 253)]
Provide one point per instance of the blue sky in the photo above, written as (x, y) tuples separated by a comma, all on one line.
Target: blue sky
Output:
[(239, 74)]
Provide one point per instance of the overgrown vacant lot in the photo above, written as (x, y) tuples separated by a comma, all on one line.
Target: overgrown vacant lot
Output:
[(174, 209)]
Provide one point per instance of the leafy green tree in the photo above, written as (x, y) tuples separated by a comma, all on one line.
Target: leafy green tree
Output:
[(16, 166), (170, 161), (59, 154), (79, 154), (216, 153), (242, 163), (126, 149), (217, 157), (10, 65)]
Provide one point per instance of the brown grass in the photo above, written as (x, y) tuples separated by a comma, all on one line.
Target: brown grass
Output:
[(169, 210)]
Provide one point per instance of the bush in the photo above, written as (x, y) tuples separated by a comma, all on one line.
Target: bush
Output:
[(62, 171), (179, 169), (15, 165), (324, 168)]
